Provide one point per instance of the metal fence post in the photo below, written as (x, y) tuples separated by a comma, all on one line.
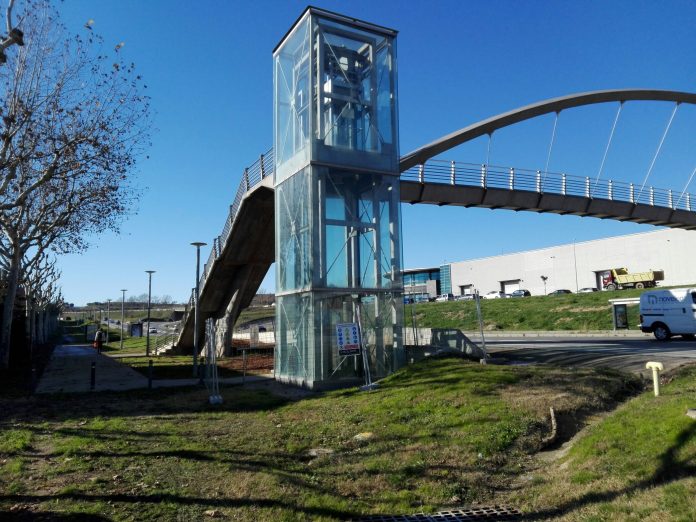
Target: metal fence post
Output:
[(484, 175), (669, 199), (263, 169), (421, 173), (511, 180), (688, 202), (652, 196), (246, 179), (563, 184), (631, 193), (610, 190), (453, 173), (587, 186), (538, 181)]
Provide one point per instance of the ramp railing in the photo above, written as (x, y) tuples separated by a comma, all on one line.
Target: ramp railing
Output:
[(252, 176)]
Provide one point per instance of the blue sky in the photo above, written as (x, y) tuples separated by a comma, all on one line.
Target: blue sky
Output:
[(208, 68)]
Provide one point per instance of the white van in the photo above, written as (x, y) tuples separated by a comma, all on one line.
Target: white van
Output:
[(669, 312)]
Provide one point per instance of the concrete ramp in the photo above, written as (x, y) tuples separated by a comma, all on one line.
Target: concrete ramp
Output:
[(238, 264)]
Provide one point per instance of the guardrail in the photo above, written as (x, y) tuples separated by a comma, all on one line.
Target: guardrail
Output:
[(511, 178)]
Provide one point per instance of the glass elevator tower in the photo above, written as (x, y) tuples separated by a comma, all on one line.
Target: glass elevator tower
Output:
[(338, 229)]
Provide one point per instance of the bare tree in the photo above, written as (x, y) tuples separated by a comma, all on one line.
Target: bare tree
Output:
[(40, 282), (72, 123), (14, 34)]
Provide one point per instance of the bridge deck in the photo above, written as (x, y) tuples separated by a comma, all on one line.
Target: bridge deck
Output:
[(233, 277), (491, 197)]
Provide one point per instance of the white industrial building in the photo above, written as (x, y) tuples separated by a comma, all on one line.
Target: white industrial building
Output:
[(577, 265)]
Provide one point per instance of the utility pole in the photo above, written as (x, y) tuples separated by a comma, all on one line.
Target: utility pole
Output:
[(108, 318), (196, 312), (123, 301), (149, 299)]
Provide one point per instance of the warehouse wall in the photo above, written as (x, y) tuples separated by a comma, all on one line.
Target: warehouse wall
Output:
[(671, 250)]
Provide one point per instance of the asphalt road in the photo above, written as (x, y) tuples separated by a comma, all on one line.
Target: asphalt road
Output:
[(624, 354)]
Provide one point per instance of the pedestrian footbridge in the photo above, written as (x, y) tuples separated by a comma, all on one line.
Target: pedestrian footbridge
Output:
[(244, 251)]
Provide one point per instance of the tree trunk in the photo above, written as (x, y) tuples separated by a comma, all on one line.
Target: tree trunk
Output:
[(8, 310)]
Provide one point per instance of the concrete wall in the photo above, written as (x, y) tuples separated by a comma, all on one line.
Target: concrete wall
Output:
[(672, 250)]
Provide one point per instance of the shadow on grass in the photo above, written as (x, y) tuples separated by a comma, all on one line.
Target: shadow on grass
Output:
[(61, 407), (181, 501), (670, 470), (26, 515)]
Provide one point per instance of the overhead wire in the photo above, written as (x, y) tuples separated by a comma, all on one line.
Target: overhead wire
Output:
[(659, 147), (606, 150), (553, 139)]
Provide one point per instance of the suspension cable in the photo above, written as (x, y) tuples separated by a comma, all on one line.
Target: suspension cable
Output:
[(488, 150), (659, 147), (553, 138), (606, 150), (686, 187)]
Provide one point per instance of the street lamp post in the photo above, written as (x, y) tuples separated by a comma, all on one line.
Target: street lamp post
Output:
[(575, 262), (149, 298), (108, 318), (196, 312), (123, 301)]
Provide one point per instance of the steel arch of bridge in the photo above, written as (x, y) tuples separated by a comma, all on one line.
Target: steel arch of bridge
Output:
[(490, 125)]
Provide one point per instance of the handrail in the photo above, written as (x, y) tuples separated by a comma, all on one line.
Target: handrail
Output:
[(494, 176)]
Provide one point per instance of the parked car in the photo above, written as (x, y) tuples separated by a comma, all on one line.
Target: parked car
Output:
[(464, 297), (494, 294), (521, 292), (152, 330), (561, 291), (587, 290), (445, 297)]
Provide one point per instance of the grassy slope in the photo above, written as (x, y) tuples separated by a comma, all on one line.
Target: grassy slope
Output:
[(567, 312), (637, 464), (444, 433)]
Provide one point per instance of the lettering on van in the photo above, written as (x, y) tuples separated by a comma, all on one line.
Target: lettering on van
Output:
[(653, 299)]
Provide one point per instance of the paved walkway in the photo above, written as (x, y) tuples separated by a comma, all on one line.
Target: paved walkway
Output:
[(69, 371)]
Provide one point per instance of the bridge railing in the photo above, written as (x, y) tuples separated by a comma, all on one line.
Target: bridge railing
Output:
[(511, 178), (252, 176)]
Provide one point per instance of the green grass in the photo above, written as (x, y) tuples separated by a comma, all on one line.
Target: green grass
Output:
[(638, 462), (441, 433), (582, 312), (255, 313), (170, 367)]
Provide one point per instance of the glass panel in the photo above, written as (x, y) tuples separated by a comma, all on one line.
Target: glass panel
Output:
[(355, 88), (293, 235), (294, 339), (336, 256), (291, 80)]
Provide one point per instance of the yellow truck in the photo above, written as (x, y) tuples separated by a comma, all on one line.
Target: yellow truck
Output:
[(619, 278)]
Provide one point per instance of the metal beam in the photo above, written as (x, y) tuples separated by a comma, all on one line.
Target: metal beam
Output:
[(490, 125)]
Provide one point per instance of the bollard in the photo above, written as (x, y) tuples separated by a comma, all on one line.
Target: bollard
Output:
[(93, 377), (656, 368), (244, 365), (149, 374)]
